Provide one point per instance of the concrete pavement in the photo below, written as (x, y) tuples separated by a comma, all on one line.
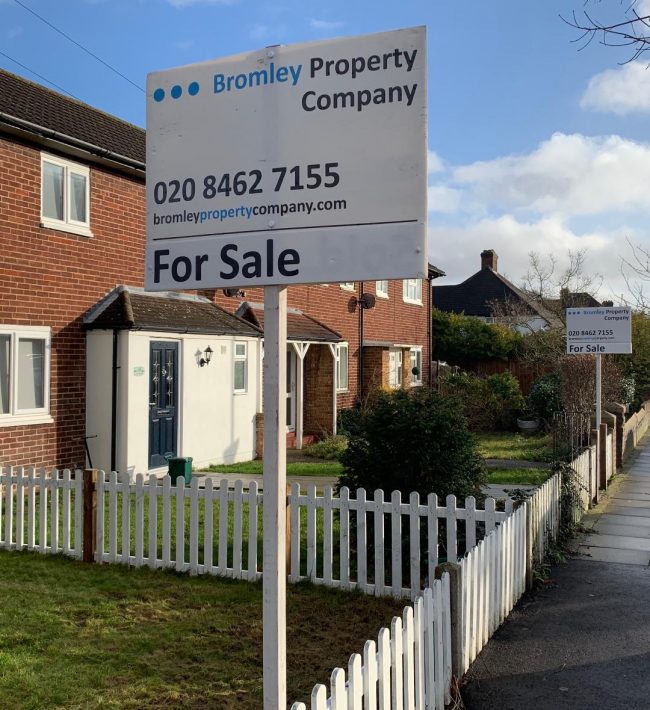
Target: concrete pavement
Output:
[(582, 642)]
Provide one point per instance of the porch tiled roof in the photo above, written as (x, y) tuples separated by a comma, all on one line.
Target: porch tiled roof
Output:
[(300, 326), (132, 309)]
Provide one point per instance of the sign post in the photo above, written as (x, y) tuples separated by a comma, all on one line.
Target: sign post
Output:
[(287, 165), (598, 331)]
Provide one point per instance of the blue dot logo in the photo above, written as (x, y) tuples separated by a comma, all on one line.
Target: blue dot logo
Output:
[(176, 91), (193, 88), (158, 95)]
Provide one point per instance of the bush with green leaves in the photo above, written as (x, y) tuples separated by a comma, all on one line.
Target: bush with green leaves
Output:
[(460, 339), (489, 403), (330, 448), (545, 397), (413, 440)]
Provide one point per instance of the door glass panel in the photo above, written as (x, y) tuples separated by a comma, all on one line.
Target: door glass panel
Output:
[(155, 379), (31, 373), (170, 379)]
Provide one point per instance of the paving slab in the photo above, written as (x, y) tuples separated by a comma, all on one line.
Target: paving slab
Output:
[(610, 519), (607, 554), (628, 510), (628, 503), (631, 495), (605, 528), (621, 542)]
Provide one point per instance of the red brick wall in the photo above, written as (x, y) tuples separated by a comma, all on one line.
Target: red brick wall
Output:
[(51, 278), (390, 320)]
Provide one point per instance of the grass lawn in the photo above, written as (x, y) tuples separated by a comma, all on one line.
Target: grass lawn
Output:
[(521, 476), (294, 468), (517, 447), (75, 635)]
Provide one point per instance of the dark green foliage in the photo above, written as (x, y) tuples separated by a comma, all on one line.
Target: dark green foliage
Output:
[(348, 420), (460, 339), (637, 365), (413, 440), (330, 448), (489, 403), (545, 396)]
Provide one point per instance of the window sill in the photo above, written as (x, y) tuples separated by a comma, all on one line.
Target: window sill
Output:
[(25, 420), (412, 301), (382, 295), (347, 288), (65, 227), (343, 391), (239, 392), (416, 384)]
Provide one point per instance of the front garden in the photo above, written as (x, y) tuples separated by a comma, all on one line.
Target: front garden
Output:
[(76, 635)]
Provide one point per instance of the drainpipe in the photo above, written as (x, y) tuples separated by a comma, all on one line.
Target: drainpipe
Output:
[(114, 402), (429, 329), (360, 366)]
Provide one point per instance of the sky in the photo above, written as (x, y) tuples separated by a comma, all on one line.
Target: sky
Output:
[(535, 145)]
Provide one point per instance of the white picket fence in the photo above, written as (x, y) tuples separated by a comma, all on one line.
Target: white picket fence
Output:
[(409, 668), (544, 517), (586, 481), (609, 456), (492, 579), (208, 530), (41, 510)]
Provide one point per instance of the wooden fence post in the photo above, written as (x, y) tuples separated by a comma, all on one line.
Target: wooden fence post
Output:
[(602, 469), (529, 545), (90, 515), (455, 613)]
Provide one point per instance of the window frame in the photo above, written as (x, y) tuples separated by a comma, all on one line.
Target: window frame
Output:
[(405, 291), (37, 415), (347, 285), (381, 293), (240, 358), (416, 380), (67, 224), (339, 347)]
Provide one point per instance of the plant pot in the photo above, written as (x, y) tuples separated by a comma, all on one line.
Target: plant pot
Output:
[(528, 425)]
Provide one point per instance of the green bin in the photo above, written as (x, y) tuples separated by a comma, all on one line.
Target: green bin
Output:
[(180, 467)]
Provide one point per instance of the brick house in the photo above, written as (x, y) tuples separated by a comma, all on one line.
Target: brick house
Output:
[(79, 352)]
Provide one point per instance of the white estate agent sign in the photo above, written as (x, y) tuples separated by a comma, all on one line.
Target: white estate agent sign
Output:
[(599, 330), (296, 164)]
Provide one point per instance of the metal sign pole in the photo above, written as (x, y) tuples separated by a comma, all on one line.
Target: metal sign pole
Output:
[(599, 384), (275, 490)]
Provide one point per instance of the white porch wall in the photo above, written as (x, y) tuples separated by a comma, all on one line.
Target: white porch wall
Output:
[(99, 355), (214, 424)]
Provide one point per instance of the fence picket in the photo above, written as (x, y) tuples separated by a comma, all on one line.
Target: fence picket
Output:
[(362, 541), (78, 513), (208, 522), (295, 532), (379, 543), (223, 526), (319, 698), (9, 507), (396, 675), (237, 530), (339, 700), (452, 533), (355, 683), (432, 535), (152, 551), (194, 526), (112, 516), (20, 511), (126, 518), (396, 543), (370, 675), (384, 666), (139, 520), (408, 648), (31, 508), (42, 501), (179, 492), (166, 521), (327, 535), (414, 544), (311, 533), (344, 537), (470, 523), (99, 517), (252, 531)]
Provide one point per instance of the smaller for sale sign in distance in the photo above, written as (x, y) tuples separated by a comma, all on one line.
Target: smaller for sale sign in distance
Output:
[(599, 330), (296, 164)]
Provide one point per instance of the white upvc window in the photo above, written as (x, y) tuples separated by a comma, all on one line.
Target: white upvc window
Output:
[(381, 289), (415, 355), (347, 285), (65, 195), (395, 368), (342, 366), (24, 375), (240, 368), (413, 291)]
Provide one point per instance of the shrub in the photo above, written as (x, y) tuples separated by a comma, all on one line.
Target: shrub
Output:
[(545, 396), (330, 448), (414, 440), (459, 338), (488, 402)]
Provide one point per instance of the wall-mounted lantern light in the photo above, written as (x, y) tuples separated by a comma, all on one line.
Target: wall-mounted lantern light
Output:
[(208, 356)]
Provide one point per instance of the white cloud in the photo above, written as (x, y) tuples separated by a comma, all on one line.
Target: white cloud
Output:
[(621, 91), (568, 175), (513, 240), (443, 199), (434, 163), (324, 25)]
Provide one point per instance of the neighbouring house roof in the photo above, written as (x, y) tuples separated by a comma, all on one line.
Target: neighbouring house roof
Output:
[(128, 308), (578, 299), (474, 296), (300, 326), (48, 114)]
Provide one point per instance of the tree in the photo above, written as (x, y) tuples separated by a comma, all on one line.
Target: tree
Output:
[(636, 271), (630, 30)]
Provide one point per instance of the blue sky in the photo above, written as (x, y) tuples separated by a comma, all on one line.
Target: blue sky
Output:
[(534, 145)]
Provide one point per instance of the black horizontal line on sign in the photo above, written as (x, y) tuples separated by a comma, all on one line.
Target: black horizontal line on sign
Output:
[(281, 229)]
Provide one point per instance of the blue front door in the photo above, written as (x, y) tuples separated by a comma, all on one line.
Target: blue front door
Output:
[(163, 401)]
